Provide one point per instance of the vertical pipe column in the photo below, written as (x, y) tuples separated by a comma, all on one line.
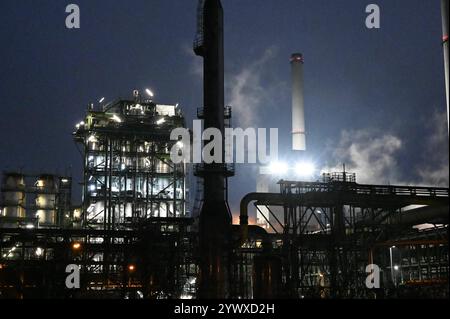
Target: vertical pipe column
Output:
[(215, 221), (444, 9)]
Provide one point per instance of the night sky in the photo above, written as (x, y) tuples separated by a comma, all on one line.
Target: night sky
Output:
[(373, 98)]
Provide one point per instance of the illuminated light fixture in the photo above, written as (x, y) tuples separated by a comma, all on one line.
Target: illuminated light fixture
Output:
[(116, 118), (80, 124), (149, 92), (278, 168), (76, 246), (39, 251), (92, 139), (101, 100), (305, 169), (92, 188), (29, 226), (160, 121), (64, 180), (395, 267), (131, 268)]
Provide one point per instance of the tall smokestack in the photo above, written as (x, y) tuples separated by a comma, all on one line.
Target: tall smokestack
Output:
[(444, 9), (298, 107), (215, 217)]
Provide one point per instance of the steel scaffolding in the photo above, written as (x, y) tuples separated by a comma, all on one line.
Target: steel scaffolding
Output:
[(327, 233), (128, 172)]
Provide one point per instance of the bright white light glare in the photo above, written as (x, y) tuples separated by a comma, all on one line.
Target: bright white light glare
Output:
[(92, 188), (39, 251), (80, 124), (29, 226), (305, 169), (176, 105), (116, 118), (65, 180), (101, 100), (92, 139), (160, 121), (395, 267), (278, 168), (149, 92), (185, 296)]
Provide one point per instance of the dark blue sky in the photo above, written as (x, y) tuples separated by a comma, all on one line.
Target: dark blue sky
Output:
[(386, 81)]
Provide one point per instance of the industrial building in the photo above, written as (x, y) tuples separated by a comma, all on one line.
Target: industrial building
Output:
[(134, 237), (130, 236), (128, 174)]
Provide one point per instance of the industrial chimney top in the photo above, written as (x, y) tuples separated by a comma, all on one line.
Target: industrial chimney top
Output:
[(297, 57)]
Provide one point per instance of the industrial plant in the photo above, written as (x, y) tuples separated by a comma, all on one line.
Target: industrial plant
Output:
[(141, 231)]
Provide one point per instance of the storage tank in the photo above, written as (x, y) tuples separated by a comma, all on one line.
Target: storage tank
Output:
[(14, 198), (46, 189)]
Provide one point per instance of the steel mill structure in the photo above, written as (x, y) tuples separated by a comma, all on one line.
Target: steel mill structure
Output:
[(134, 237)]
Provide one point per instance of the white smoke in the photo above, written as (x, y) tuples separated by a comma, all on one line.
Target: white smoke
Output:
[(373, 155), (196, 63), (434, 170), (243, 88), (245, 92), (369, 154)]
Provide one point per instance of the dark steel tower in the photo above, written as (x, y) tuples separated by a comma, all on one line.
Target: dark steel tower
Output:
[(215, 217), (444, 8)]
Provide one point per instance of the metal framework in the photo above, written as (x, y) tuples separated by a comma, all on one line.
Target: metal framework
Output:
[(328, 232), (128, 173), (132, 238), (154, 261)]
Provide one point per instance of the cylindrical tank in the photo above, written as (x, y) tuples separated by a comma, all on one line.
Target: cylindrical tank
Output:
[(14, 199), (46, 200)]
